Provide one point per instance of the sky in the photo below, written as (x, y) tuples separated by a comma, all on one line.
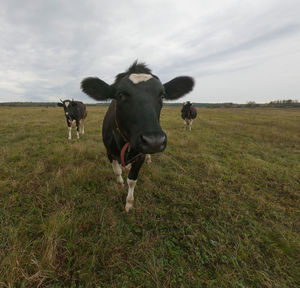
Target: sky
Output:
[(237, 51)]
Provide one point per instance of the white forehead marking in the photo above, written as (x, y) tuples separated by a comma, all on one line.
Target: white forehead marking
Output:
[(67, 103), (137, 78)]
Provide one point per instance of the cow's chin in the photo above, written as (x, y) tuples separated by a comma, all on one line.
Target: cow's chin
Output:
[(151, 143)]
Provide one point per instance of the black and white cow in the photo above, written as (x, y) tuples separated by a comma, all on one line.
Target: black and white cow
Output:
[(188, 114), (75, 111), (131, 127)]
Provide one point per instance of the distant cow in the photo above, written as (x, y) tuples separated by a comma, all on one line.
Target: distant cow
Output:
[(75, 111), (188, 114), (131, 127)]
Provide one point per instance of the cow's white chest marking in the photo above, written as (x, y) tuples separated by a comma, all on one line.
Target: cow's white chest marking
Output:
[(137, 78)]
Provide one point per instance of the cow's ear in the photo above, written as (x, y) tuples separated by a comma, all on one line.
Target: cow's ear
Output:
[(178, 87), (60, 104), (97, 89)]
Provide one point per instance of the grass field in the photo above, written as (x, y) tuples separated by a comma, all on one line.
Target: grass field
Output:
[(219, 208)]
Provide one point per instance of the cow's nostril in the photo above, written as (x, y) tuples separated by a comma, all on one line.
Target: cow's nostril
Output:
[(152, 143), (144, 139), (153, 140), (162, 139)]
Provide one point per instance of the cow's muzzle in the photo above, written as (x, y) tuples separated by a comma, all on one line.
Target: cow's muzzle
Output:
[(152, 142)]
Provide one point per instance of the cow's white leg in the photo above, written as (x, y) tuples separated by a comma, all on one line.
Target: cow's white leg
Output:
[(77, 128), (70, 133), (82, 129), (118, 172), (190, 124), (81, 126), (148, 158), (130, 198), (184, 123)]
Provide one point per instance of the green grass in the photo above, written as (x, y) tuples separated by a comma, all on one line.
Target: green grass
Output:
[(219, 208)]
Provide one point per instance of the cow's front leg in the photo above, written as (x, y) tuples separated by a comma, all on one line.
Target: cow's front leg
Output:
[(131, 181), (118, 172), (70, 129), (184, 123), (70, 132), (69, 123), (190, 124)]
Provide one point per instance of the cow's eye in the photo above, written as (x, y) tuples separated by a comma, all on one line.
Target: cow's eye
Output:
[(160, 99), (123, 96)]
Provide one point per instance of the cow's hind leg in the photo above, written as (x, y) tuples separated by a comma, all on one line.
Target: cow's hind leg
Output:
[(81, 126), (131, 181), (118, 172), (77, 128)]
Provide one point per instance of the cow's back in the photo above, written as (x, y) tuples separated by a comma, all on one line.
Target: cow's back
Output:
[(81, 109), (188, 112)]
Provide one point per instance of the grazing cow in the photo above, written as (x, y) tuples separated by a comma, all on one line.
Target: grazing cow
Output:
[(188, 114), (75, 111), (131, 127)]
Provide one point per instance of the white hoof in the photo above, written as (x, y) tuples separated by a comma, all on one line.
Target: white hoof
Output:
[(148, 159), (127, 167), (120, 180), (128, 207)]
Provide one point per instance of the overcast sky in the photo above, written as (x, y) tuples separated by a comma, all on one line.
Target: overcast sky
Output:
[(237, 51)]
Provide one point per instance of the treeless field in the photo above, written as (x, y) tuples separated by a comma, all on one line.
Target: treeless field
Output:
[(218, 208)]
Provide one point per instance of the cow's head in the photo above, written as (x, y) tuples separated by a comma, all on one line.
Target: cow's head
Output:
[(138, 96), (187, 105), (69, 107)]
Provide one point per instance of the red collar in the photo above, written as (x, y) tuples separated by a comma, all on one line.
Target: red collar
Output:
[(126, 145)]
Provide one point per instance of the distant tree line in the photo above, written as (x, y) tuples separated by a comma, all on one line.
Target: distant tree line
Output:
[(29, 104), (278, 103), (41, 104), (251, 104), (285, 103)]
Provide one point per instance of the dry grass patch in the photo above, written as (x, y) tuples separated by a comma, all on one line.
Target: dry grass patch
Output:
[(218, 208)]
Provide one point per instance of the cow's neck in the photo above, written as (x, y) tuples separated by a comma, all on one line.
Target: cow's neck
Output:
[(125, 146), (118, 126)]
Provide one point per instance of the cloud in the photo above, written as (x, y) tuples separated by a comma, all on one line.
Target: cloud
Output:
[(47, 47)]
